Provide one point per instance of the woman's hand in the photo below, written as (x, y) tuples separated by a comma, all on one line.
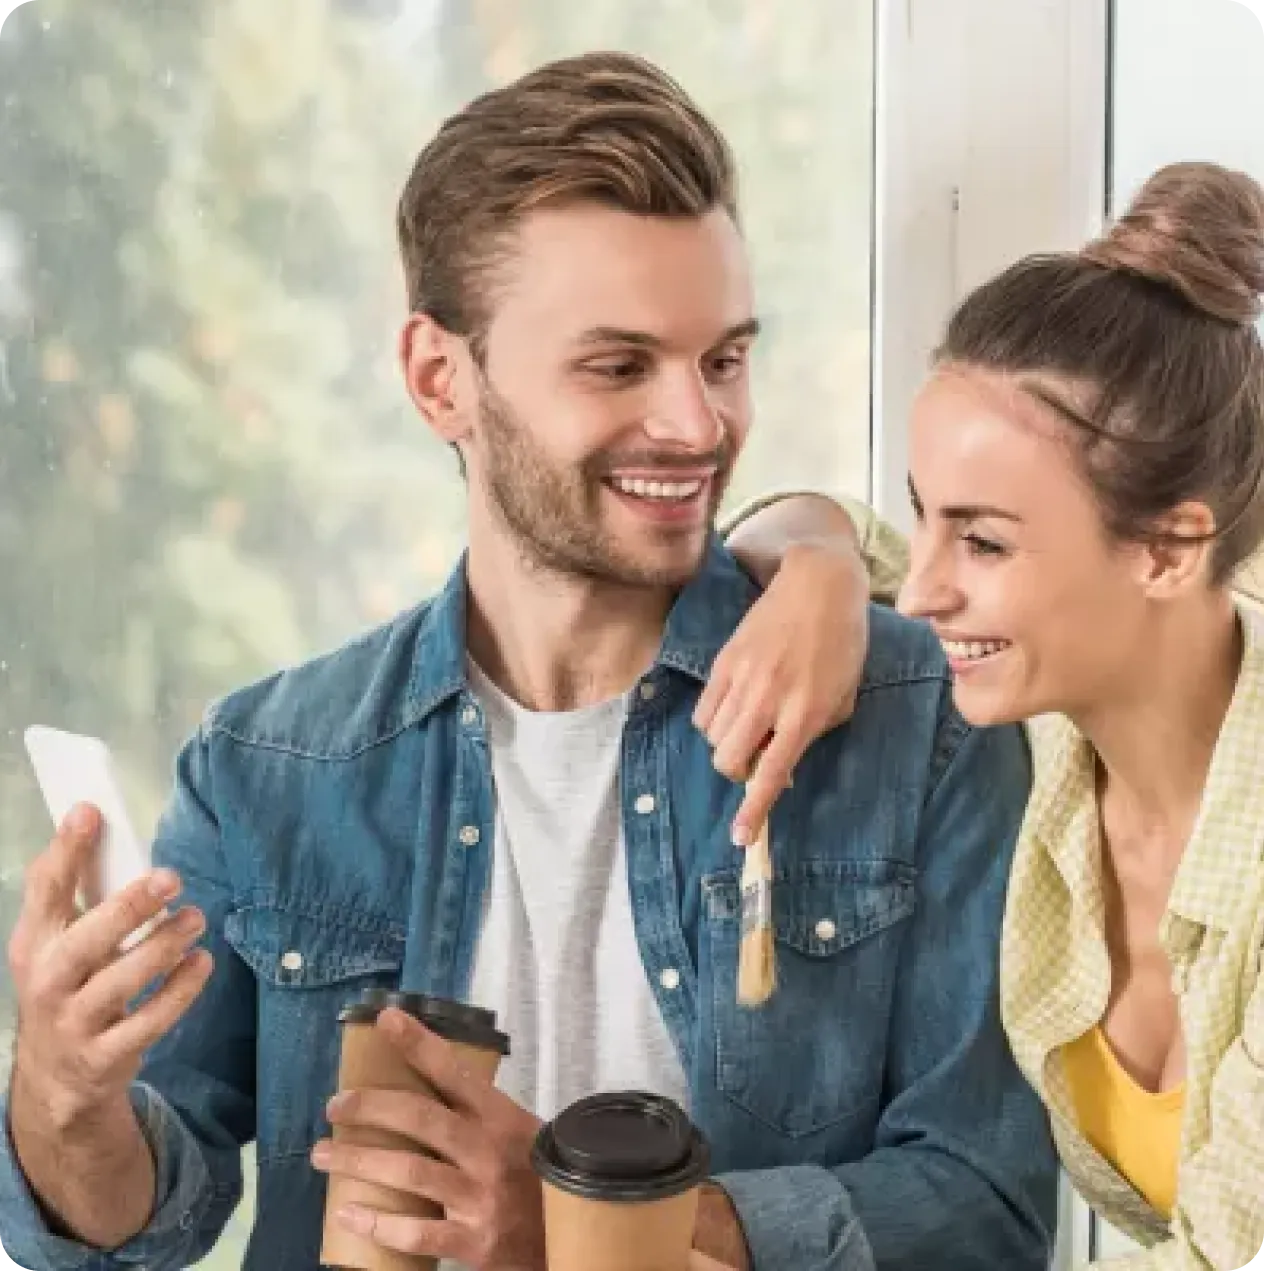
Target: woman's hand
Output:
[(790, 671)]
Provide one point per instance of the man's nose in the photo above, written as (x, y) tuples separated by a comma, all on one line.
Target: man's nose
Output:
[(687, 415)]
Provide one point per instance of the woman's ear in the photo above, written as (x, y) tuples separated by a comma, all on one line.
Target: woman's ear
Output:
[(1179, 558), (431, 360)]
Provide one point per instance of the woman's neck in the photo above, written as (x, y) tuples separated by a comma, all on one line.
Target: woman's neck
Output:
[(1155, 737)]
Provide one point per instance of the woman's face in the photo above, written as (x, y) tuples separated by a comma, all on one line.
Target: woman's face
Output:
[(1037, 609)]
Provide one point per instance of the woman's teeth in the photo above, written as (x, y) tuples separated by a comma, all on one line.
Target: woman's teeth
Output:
[(970, 650), (657, 489)]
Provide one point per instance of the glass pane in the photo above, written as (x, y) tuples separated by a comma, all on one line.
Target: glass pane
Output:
[(1188, 84), (207, 464)]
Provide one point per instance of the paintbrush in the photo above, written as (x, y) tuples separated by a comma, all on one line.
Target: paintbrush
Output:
[(757, 966)]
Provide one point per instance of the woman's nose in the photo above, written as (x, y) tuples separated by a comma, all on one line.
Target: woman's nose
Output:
[(928, 591)]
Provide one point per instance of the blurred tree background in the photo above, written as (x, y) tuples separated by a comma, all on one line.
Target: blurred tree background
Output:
[(207, 465)]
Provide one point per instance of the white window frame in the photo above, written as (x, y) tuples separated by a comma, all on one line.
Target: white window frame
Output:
[(992, 141)]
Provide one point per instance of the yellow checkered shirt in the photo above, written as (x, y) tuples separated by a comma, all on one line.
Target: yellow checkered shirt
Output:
[(1055, 982)]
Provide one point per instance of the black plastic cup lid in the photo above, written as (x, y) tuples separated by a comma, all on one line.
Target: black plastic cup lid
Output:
[(453, 1021), (622, 1147)]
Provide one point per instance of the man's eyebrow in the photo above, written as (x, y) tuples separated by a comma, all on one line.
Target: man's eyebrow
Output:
[(643, 339)]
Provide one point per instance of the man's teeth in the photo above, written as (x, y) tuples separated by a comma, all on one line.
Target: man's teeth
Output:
[(971, 649), (658, 489)]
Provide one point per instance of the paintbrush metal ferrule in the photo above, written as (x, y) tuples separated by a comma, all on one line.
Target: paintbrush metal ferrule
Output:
[(756, 905)]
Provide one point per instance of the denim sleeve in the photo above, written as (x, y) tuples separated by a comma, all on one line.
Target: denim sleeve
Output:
[(963, 1173), (183, 1194), (195, 1097)]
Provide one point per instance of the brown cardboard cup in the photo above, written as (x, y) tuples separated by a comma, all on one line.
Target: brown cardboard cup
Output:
[(369, 1061), (621, 1174)]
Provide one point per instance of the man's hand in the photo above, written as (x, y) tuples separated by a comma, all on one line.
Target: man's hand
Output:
[(718, 1232), (788, 674), (79, 1045), (77, 1042), (473, 1158)]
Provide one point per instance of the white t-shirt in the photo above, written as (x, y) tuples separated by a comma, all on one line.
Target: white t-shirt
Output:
[(557, 959)]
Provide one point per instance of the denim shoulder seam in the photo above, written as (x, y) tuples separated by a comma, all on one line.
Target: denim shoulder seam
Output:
[(900, 679), (950, 736), (300, 752)]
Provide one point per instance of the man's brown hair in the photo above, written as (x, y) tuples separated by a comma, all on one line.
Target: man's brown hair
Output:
[(609, 128)]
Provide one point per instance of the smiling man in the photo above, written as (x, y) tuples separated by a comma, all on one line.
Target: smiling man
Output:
[(501, 796)]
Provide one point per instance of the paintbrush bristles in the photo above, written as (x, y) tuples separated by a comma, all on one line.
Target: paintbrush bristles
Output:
[(756, 967)]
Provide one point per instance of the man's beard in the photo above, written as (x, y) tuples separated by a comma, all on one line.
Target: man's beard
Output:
[(556, 515)]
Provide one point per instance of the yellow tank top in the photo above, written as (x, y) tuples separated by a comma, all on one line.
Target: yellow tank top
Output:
[(1138, 1132)]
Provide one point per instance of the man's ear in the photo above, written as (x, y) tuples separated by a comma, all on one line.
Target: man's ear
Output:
[(1179, 558), (431, 360)]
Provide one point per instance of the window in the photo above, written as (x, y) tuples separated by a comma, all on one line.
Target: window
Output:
[(1188, 84), (207, 464)]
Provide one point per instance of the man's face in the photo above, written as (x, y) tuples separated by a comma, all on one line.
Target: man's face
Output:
[(615, 394)]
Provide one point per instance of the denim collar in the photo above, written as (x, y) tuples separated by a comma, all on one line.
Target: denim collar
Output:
[(700, 622)]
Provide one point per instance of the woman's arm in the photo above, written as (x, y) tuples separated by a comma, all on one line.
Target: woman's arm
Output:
[(761, 532), (791, 670)]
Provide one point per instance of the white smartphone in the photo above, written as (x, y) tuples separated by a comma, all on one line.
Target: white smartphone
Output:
[(71, 769)]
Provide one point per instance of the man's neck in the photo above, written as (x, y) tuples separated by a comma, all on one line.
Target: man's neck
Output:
[(556, 643)]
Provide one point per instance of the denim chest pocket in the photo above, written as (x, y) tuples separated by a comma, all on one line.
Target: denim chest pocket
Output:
[(308, 964), (814, 1054)]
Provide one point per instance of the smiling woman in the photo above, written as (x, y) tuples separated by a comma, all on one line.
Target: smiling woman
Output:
[(1087, 471), (1090, 441)]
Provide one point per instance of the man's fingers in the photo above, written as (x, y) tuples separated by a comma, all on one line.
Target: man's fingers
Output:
[(438, 1061), (404, 1171), (93, 941), (156, 1017), (104, 999), (418, 1236), (428, 1122), (52, 879)]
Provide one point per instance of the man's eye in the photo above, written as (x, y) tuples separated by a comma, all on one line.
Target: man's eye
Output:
[(977, 545), (727, 366), (619, 371)]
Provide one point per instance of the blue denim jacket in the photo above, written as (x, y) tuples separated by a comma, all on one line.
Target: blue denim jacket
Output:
[(335, 825)]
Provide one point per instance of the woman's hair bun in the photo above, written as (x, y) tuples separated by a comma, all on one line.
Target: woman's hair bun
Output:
[(1199, 229)]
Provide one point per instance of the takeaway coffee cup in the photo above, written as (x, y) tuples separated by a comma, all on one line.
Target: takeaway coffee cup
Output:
[(621, 1174), (371, 1061)]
